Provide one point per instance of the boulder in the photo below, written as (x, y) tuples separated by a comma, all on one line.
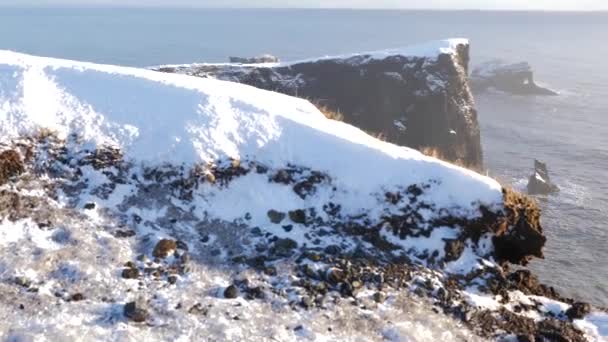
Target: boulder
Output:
[(516, 78), (540, 182), (417, 97)]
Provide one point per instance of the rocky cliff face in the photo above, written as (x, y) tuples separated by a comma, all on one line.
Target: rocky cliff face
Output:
[(418, 98)]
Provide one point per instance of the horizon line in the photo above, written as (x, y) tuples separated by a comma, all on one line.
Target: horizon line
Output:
[(128, 6)]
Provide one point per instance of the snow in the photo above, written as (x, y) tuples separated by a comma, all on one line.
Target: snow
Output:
[(595, 326), (430, 49), (157, 118)]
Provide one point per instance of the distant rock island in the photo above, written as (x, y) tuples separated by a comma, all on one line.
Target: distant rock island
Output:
[(514, 78), (254, 60), (417, 97), (540, 182)]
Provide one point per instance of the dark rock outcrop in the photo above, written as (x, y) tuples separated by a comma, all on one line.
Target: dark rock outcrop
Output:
[(540, 182), (420, 102), (516, 78)]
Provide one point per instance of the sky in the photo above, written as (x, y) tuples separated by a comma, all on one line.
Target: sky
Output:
[(551, 5)]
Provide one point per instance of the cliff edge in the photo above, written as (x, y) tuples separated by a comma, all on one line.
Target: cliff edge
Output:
[(417, 97)]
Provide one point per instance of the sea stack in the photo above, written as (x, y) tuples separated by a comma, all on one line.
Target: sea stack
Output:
[(540, 182)]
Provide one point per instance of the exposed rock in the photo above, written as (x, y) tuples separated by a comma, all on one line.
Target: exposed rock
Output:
[(77, 297), (298, 216), (124, 233), (411, 101), (515, 78), (540, 182), (453, 250), (135, 313), (276, 216), (130, 273), (254, 60), (231, 292), (164, 248), (379, 297), (335, 275), (284, 247), (578, 310)]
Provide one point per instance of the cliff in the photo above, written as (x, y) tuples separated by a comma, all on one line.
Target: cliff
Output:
[(138, 205), (416, 97)]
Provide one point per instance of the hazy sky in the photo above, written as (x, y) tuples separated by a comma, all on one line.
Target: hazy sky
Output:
[(435, 4)]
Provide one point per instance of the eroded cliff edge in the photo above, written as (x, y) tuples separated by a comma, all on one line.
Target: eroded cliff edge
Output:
[(417, 97)]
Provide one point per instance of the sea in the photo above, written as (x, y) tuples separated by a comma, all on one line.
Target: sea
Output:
[(568, 52)]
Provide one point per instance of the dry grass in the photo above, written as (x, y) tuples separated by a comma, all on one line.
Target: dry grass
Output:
[(434, 152), (43, 134), (378, 135), (520, 205), (330, 113), (11, 165)]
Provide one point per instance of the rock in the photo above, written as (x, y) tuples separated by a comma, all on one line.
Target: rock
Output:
[(89, 206), (284, 247), (164, 248), (414, 101), (298, 216), (526, 338), (10, 165), (255, 293), (516, 78), (172, 279), (231, 292), (77, 297), (181, 245), (124, 233), (335, 275), (130, 273), (333, 249), (379, 297), (275, 216), (306, 302), (254, 60), (540, 183), (578, 310), (23, 282), (453, 250), (135, 313)]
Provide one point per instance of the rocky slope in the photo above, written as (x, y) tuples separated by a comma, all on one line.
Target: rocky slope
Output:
[(417, 97), (136, 205)]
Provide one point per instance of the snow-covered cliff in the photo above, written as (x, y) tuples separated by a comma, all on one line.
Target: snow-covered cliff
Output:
[(137, 205)]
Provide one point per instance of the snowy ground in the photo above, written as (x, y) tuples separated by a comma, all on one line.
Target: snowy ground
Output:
[(258, 189)]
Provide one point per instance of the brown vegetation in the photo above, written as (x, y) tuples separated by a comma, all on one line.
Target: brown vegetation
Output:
[(330, 113), (11, 165), (523, 236), (436, 153)]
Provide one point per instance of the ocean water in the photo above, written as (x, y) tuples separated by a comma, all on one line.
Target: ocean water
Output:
[(566, 50)]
